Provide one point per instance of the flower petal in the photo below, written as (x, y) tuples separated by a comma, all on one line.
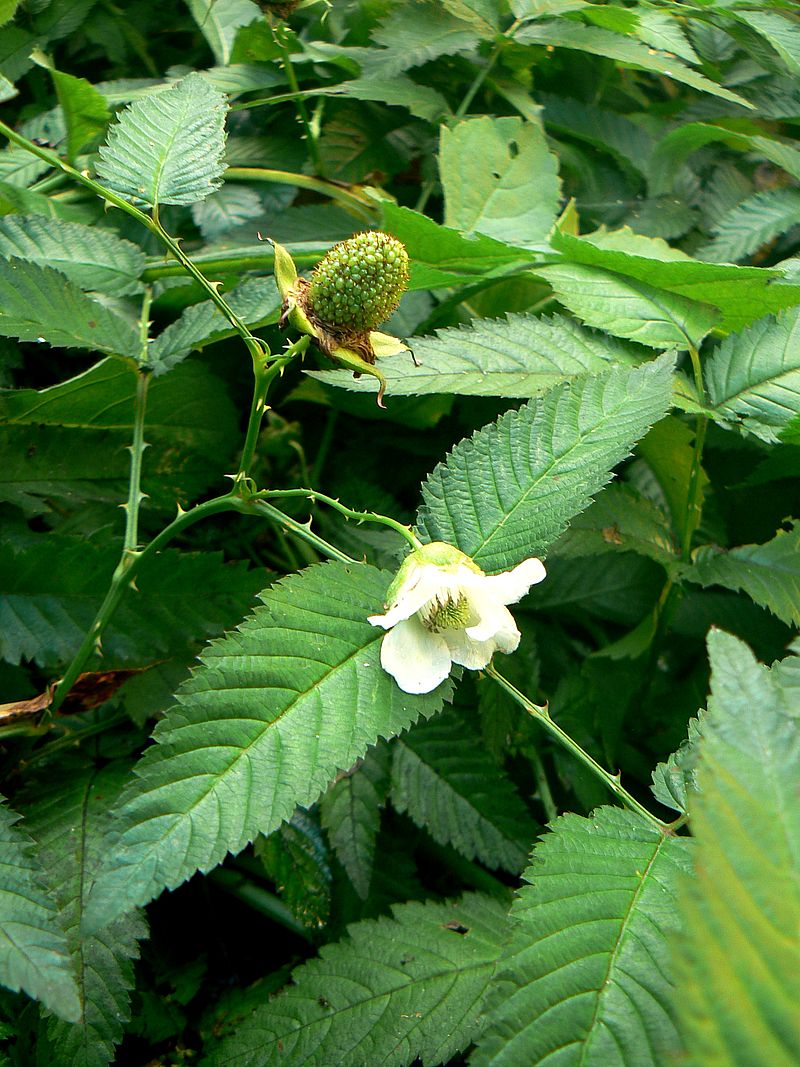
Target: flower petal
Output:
[(417, 659), (496, 624), (511, 586), (423, 585), (466, 652)]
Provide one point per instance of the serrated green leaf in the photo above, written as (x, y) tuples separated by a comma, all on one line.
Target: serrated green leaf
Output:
[(445, 780), (742, 294), (220, 20), (676, 147), (351, 813), (629, 308), (89, 256), (37, 303), (16, 200), (509, 491), (753, 377), (486, 166), (629, 144), (675, 780), (295, 694), (442, 256), (296, 858), (398, 990), (255, 300), (33, 949), (85, 112), (768, 573), (68, 443), (782, 33), (751, 224), (409, 42), (67, 814), (397, 90), (519, 356), (586, 978), (737, 962), (668, 450), (620, 520), (626, 50), (52, 589), (168, 148), (226, 209)]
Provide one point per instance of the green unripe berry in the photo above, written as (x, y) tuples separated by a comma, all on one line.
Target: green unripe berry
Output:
[(359, 283)]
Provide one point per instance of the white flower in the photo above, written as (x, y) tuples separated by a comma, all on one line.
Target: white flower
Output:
[(442, 609)]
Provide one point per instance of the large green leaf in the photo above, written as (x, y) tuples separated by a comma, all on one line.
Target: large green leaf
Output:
[(296, 858), (586, 978), (751, 224), (86, 113), (52, 589), (90, 257), (33, 949), (486, 166), (509, 491), (620, 520), (219, 21), (518, 356), (626, 307), (742, 294), (351, 814), (256, 301), (442, 256), (39, 304), (567, 34), (753, 377), (409, 42), (168, 148), (399, 990), (68, 443), (443, 777), (737, 961), (768, 573), (277, 708), (67, 814)]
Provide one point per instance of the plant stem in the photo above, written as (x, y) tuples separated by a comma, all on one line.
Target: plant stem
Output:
[(231, 262), (367, 209), (300, 104), (612, 781), (265, 374), (255, 346), (349, 513), (694, 504), (137, 447)]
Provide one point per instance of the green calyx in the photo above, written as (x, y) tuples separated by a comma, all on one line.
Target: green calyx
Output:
[(359, 283)]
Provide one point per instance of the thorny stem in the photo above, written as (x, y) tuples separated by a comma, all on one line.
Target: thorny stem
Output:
[(301, 530), (612, 781), (349, 513), (137, 447), (255, 347), (231, 262), (265, 374)]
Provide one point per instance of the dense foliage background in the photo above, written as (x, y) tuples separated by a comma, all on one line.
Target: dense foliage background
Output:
[(601, 204)]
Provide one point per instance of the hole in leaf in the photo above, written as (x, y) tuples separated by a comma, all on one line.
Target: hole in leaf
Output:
[(456, 927)]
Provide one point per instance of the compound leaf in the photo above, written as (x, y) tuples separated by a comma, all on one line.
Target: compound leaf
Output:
[(168, 148), (509, 491), (67, 815), (33, 949), (737, 961), (586, 978), (398, 990), (443, 777), (275, 710)]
